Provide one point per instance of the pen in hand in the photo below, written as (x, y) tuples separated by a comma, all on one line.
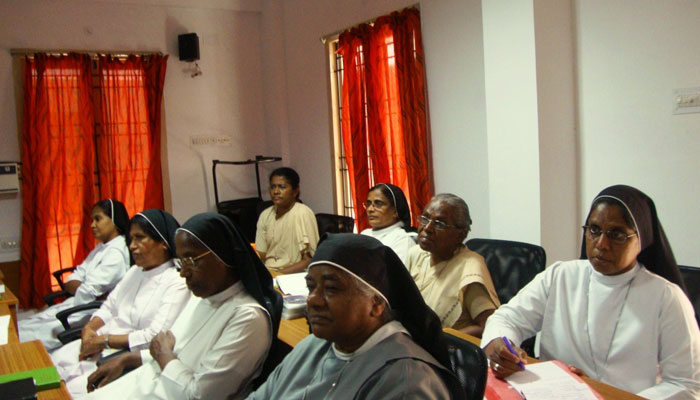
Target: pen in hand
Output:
[(512, 350)]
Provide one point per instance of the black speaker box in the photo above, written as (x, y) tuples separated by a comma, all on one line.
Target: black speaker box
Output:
[(188, 47)]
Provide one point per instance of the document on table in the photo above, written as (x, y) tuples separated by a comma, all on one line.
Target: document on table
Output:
[(4, 326), (550, 380), (293, 284)]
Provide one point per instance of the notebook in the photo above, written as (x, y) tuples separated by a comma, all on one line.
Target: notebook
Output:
[(45, 378)]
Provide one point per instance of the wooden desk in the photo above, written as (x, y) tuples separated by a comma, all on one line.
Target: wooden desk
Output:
[(292, 331), (12, 337), (605, 390), (11, 301), (27, 356)]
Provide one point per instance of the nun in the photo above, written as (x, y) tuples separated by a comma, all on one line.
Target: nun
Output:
[(220, 342), (389, 217), (618, 315), (96, 276), (146, 301), (373, 335)]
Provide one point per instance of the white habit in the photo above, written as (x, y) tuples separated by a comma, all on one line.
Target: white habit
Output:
[(635, 331), (394, 237), (99, 273), (143, 304), (221, 343)]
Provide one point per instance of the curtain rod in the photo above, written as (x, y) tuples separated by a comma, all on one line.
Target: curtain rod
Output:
[(118, 53), (334, 35)]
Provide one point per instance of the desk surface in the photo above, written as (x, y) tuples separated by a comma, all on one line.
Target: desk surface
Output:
[(27, 356), (294, 330)]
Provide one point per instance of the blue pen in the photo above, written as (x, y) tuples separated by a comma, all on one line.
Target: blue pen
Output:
[(512, 350)]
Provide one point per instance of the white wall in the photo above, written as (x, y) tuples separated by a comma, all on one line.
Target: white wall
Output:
[(226, 100), (632, 54)]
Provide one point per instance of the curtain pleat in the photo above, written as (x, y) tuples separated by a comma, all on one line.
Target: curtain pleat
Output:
[(384, 110)]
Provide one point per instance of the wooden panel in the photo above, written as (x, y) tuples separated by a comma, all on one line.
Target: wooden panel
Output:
[(10, 275)]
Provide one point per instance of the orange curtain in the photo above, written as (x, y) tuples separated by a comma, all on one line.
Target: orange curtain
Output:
[(129, 141), (57, 170), (384, 110)]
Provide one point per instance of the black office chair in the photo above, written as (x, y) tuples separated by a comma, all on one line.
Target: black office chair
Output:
[(50, 298), (691, 277), (469, 364), (332, 223), (72, 331), (511, 264)]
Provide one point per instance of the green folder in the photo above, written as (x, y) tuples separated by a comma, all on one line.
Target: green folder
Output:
[(45, 378)]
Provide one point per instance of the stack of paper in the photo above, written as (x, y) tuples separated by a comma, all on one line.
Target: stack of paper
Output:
[(550, 380), (293, 288)]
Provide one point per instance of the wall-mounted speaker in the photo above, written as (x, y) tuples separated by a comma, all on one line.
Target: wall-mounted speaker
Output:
[(188, 47)]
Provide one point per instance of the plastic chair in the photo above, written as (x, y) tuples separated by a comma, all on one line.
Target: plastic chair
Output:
[(691, 277), (50, 298), (332, 223), (469, 364), (511, 264)]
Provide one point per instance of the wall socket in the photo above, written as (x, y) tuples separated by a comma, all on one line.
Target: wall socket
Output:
[(9, 244)]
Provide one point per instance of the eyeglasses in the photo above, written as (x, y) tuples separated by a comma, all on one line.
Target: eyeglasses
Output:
[(616, 236), (189, 262), (377, 204), (437, 224)]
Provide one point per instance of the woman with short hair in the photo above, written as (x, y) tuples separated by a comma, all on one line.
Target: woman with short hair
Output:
[(96, 276), (287, 232), (618, 315), (145, 302), (389, 217)]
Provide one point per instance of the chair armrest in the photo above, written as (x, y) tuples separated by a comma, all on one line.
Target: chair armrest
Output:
[(50, 298), (59, 275), (63, 315), (69, 335)]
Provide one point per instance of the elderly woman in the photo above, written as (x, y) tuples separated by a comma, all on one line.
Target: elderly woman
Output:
[(146, 301), (96, 276), (287, 232), (453, 279), (373, 335), (218, 344), (618, 314), (390, 219)]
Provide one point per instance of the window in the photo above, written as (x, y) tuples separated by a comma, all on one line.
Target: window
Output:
[(379, 112), (91, 130)]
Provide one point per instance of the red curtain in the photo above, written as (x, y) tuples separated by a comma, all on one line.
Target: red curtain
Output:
[(384, 110), (57, 170), (130, 120)]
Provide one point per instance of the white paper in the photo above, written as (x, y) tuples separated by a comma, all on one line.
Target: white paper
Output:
[(546, 380), (4, 326), (293, 284)]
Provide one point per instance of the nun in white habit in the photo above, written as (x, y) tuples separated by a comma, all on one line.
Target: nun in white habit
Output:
[(220, 342), (145, 302), (619, 314), (96, 276)]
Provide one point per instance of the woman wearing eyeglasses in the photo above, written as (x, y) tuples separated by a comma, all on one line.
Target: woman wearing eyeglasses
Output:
[(146, 301), (453, 280), (618, 315), (287, 232), (390, 219)]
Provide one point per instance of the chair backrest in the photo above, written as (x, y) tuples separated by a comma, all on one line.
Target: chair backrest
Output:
[(334, 223), (469, 364), (243, 213), (691, 277), (511, 264)]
